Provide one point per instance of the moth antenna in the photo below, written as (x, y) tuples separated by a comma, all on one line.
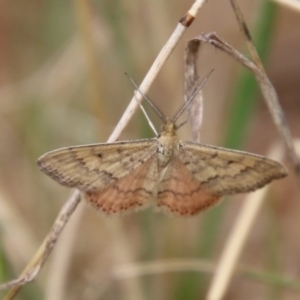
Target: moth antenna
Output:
[(183, 108), (158, 112), (148, 119), (181, 124)]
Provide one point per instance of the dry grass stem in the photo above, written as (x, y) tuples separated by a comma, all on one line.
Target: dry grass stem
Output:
[(161, 266), (61, 259), (15, 232), (191, 83)]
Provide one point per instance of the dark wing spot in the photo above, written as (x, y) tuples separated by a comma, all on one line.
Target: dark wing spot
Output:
[(214, 155)]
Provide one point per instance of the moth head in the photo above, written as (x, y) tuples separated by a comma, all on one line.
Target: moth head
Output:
[(169, 126)]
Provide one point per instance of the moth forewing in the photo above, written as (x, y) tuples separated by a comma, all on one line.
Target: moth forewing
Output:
[(224, 171), (95, 166)]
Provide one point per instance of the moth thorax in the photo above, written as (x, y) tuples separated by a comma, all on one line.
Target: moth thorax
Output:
[(165, 151)]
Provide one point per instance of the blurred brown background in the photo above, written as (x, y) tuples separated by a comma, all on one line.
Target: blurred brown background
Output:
[(62, 83)]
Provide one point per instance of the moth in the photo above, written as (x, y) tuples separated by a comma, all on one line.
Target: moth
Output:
[(179, 177)]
